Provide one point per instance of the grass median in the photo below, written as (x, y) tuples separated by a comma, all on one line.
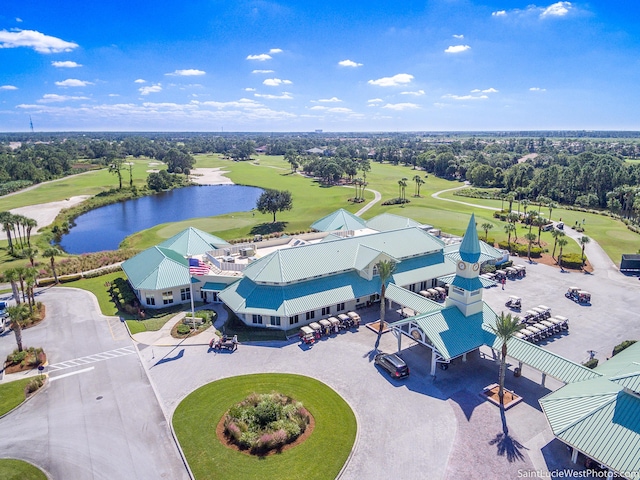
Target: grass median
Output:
[(11, 469), (321, 456)]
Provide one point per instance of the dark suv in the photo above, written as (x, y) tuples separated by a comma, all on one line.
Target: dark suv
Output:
[(393, 364)]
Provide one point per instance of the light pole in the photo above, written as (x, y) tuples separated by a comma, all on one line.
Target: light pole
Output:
[(193, 315)]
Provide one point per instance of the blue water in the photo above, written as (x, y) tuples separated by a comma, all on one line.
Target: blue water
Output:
[(105, 227)]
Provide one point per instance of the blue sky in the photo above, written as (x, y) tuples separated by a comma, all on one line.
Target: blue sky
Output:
[(263, 66)]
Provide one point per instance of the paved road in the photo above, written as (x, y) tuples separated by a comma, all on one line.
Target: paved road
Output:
[(96, 419), (376, 198)]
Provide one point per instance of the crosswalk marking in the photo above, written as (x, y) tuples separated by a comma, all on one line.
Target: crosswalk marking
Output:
[(93, 358)]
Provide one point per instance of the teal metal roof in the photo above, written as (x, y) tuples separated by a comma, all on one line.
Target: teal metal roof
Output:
[(418, 269), (192, 241), (484, 281), (414, 301), (214, 286), (157, 268), (470, 247), (388, 221), (339, 220), (599, 416), (331, 257), (487, 252), (246, 296)]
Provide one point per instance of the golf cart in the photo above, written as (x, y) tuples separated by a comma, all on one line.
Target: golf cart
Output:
[(307, 335), (577, 295), (514, 303)]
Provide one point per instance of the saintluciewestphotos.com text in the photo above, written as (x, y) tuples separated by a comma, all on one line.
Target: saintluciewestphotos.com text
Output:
[(589, 473)]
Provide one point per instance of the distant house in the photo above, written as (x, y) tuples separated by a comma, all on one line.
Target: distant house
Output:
[(315, 151), (262, 149)]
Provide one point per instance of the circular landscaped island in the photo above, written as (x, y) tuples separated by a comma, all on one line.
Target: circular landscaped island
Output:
[(316, 449)]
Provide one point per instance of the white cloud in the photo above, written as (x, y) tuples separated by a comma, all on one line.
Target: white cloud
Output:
[(476, 90), (490, 90), (401, 106), (275, 50), (558, 9), (139, 80), (73, 82), (349, 63), (330, 100), (417, 93), (399, 79), (457, 48), (465, 97), (66, 64), (283, 96), (8, 87), (242, 103), (114, 95), (190, 72), (375, 100), (249, 89), (40, 42), (459, 37), (150, 89), (18, 19), (274, 82), (262, 71), (261, 57), (499, 13), (331, 109), (52, 98), (537, 89)]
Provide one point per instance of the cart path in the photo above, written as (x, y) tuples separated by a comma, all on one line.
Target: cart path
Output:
[(377, 196), (437, 197)]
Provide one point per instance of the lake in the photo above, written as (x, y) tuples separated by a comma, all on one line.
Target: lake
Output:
[(105, 227)]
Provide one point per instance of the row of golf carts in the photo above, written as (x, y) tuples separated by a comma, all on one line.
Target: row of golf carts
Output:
[(538, 324), (309, 334), (512, 273), (437, 294)]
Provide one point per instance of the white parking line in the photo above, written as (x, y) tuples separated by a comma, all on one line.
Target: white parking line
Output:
[(58, 377)]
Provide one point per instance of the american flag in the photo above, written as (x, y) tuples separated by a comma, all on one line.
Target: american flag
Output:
[(197, 267)]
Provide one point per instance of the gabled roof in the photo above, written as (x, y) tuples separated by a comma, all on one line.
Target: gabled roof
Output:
[(192, 241), (339, 220), (485, 282), (335, 256), (414, 301), (487, 252), (389, 221), (157, 268), (469, 250), (601, 416)]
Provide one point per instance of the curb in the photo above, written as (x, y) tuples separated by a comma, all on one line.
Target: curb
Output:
[(45, 384)]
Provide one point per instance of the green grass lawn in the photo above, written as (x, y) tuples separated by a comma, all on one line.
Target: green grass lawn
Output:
[(97, 286), (321, 456), (11, 469), (12, 395)]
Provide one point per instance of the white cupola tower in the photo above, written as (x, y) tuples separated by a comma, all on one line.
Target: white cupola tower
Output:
[(465, 291)]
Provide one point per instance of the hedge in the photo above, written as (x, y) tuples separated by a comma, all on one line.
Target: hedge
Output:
[(621, 346), (572, 260), (521, 250)]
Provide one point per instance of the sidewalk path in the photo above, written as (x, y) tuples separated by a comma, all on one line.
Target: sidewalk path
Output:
[(376, 198)]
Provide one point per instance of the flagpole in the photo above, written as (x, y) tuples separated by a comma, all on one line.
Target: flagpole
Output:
[(193, 315)]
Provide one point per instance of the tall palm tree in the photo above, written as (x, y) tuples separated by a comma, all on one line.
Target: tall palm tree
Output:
[(510, 198), (6, 220), (52, 252), (551, 206), (30, 224), (30, 253), (531, 219), (525, 204), (417, 179), (530, 237), (12, 276), (30, 276), (420, 183), (583, 242), (486, 227), (403, 185), (556, 234), (18, 314), (505, 327), (562, 242), (509, 228), (385, 270), (540, 222)]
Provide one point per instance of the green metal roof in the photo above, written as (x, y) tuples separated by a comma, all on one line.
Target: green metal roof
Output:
[(414, 301), (339, 220), (335, 256), (192, 241), (388, 221), (246, 296), (419, 269), (599, 417), (487, 252), (629, 379), (157, 268)]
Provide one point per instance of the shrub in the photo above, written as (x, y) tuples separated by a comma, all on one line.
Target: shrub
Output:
[(395, 201), (621, 346), (183, 329), (17, 357), (572, 260), (592, 363), (34, 384)]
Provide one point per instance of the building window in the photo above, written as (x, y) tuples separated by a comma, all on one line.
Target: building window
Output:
[(185, 294), (423, 285), (458, 290), (150, 299), (167, 297), (293, 320), (340, 307), (326, 310), (257, 318), (412, 287), (311, 315), (375, 270), (275, 320)]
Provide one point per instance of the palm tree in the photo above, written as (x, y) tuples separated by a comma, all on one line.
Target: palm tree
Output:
[(420, 183), (52, 252), (12, 276), (540, 222), (486, 227), (30, 253), (525, 204), (530, 220), (510, 198), (30, 276), (30, 223), (400, 189), (385, 270), (583, 242), (509, 228), (403, 185), (6, 220), (417, 179), (551, 206), (556, 234), (18, 314), (562, 242), (505, 327), (530, 237)]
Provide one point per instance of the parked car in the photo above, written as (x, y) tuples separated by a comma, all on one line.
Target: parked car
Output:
[(560, 226), (393, 364)]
